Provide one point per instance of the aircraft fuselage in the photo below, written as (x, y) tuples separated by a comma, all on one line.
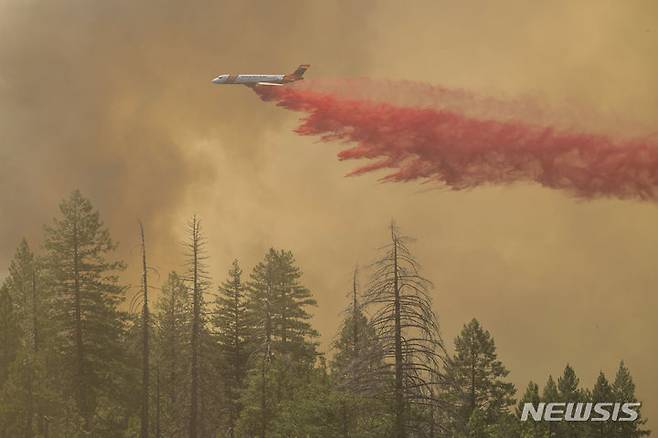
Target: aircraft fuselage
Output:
[(264, 80)]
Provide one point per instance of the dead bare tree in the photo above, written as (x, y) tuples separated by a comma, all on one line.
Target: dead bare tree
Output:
[(408, 331), (145, 340), (198, 278)]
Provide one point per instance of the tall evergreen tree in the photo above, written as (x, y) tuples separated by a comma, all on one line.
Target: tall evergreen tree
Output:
[(478, 378), (32, 388), (601, 393), (87, 296), (25, 286), (25, 289), (277, 305), (623, 389), (358, 352), (282, 337), (567, 385), (295, 335), (550, 394), (570, 392), (9, 333), (358, 357), (530, 429), (173, 317), (232, 327), (10, 342)]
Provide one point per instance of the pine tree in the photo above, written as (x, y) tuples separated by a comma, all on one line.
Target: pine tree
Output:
[(358, 357), (87, 296), (232, 328), (567, 386), (22, 285), (478, 376), (277, 304), (32, 390), (550, 394), (623, 389), (569, 392), (530, 429), (282, 338), (601, 393), (25, 287), (9, 333), (294, 334), (9, 339), (358, 351), (258, 398), (173, 317)]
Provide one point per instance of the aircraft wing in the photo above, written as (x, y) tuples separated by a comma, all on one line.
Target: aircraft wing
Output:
[(269, 84)]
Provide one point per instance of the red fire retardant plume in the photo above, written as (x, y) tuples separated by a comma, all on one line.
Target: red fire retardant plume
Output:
[(460, 151)]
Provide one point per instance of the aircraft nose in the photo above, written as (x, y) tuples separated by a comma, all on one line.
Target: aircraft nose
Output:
[(216, 80)]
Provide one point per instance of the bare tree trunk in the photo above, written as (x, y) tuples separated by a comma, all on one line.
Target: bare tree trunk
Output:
[(263, 402), (196, 330), (399, 429), (145, 341), (266, 361)]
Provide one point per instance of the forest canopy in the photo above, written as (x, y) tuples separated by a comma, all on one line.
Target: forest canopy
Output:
[(84, 355)]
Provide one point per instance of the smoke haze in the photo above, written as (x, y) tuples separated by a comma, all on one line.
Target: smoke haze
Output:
[(114, 98)]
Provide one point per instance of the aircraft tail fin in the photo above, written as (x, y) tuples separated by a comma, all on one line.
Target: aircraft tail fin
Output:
[(301, 70)]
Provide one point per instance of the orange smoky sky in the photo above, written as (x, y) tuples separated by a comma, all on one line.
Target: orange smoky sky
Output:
[(114, 98)]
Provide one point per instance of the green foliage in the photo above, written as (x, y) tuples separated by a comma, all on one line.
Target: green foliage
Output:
[(477, 380), (232, 326), (29, 393), (569, 391), (359, 355), (530, 429), (602, 392), (172, 353), (623, 389), (277, 306), (359, 396), (86, 298), (24, 286), (9, 333), (260, 399), (70, 358), (315, 409)]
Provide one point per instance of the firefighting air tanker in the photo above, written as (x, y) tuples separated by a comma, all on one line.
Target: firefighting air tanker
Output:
[(264, 80)]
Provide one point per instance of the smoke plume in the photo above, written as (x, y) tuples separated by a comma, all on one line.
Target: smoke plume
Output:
[(463, 141), (115, 99)]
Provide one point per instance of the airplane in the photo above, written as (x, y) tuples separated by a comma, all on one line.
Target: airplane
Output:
[(264, 80)]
